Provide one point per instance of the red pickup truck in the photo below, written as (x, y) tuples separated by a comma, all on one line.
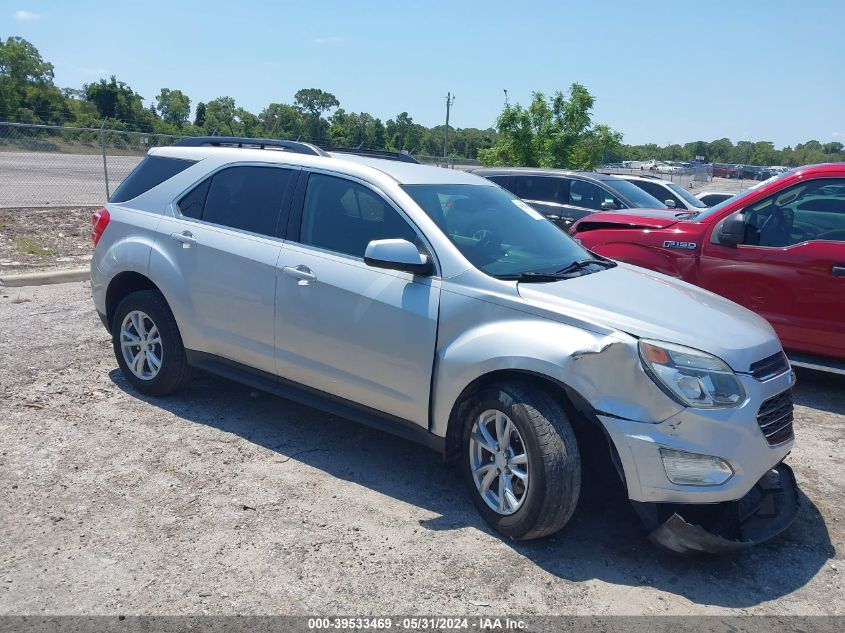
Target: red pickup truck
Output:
[(777, 249)]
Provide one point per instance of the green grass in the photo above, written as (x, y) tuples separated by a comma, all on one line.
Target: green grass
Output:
[(30, 247)]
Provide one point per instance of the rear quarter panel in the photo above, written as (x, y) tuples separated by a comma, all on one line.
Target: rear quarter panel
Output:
[(124, 246)]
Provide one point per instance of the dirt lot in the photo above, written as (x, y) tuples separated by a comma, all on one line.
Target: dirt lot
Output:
[(43, 239), (223, 500)]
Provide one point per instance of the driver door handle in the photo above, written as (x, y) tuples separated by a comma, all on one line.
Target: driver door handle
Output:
[(838, 270), (185, 237), (302, 273)]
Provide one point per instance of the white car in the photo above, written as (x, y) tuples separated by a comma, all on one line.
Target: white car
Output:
[(669, 168), (671, 194), (711, 198)]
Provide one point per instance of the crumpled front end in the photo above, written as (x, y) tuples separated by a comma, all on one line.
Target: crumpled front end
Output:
[(767, 510)]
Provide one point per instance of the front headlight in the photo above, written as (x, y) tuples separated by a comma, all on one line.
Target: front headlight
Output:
[(692, 377)]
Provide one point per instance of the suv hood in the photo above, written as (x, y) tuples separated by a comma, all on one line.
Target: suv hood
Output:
[(646, 304)]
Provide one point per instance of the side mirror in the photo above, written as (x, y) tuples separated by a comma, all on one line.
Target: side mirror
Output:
[(608, 205), (732, 231), (669, 203), (397, 255)]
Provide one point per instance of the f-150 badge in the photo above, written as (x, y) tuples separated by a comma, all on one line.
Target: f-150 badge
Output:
[(674, 244)]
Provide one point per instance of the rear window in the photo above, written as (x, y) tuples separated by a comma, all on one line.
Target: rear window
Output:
[(150, 172)]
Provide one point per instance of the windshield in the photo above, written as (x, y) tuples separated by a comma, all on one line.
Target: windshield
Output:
[(633, 194), (496, 231), (724, 203), (686, 196)]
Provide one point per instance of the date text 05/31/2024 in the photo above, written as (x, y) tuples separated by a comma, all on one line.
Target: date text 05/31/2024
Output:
[(416, 623)]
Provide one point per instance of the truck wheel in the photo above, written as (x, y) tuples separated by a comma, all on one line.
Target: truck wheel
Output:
[(520, 460), (147, 344)]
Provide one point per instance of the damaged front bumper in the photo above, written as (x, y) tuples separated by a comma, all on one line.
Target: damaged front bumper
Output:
[(767, 510)]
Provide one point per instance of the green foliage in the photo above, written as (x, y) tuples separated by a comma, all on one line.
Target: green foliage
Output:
[(555, 132), (117, 101), (174, 106), (199, 118), (315, 101)]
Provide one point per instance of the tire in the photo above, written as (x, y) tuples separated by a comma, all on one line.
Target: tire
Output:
[(173, 371), (545, 436)]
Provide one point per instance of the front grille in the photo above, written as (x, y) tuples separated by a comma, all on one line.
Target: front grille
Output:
[(770, 367), (775, 418)]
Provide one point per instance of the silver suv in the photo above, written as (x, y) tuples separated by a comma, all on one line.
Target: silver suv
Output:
[(433, 304)]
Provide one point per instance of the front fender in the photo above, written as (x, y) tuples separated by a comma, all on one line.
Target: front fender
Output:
[(639, 255), (604, 369)]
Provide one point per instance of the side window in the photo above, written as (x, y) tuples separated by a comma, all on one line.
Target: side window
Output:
[(541, 188), (192, 203), (343, 216), (246, 198), (813, 210), (589, 195), (661, 193)]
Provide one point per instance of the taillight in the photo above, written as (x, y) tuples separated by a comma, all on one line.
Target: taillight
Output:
[(99, 222)]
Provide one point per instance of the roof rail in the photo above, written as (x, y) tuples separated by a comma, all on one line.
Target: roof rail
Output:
[(260, 143), (375, 153)]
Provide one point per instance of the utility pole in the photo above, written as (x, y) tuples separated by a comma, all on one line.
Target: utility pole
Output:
[(450, 99)]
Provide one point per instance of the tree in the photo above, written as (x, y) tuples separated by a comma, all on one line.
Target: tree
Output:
[(199, 118), (220, 117), (556, 132), (116, 100), (174, 106), (315, 101), (280, 120), (25, 80)]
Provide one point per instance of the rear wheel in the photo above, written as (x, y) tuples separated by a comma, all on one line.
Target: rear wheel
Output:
[(147, 344), (520, 460)]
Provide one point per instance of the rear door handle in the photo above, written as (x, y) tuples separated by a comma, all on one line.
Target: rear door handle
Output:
[(838, 270), (302, 273), (185, 237)]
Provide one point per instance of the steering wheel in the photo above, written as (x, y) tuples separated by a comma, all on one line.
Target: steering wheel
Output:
[(488, 239)]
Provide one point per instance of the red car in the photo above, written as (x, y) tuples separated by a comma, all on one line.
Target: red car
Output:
[(777, 249)]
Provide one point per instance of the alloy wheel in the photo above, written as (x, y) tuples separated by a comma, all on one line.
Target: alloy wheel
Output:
[(140, 343), (498, 461)]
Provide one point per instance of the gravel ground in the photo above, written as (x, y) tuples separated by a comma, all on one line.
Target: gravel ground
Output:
[(44, 239), (222, 500)]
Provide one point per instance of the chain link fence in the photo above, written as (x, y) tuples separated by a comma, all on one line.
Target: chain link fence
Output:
[(52, 166), (48, 166)]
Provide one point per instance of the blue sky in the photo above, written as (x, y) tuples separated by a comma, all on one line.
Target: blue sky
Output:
[(661, 71)]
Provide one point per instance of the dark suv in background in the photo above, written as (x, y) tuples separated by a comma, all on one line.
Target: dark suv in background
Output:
[(567, 196)]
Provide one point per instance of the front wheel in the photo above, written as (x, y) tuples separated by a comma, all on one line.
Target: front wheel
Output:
[(520, 460)]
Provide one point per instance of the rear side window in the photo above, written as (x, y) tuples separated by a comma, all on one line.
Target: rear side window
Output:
[(245, 198), (192, 204), (542, 188), (150, 172)]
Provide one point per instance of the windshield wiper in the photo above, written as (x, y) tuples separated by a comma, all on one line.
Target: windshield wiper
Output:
[(535, 277), (583, 263)]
